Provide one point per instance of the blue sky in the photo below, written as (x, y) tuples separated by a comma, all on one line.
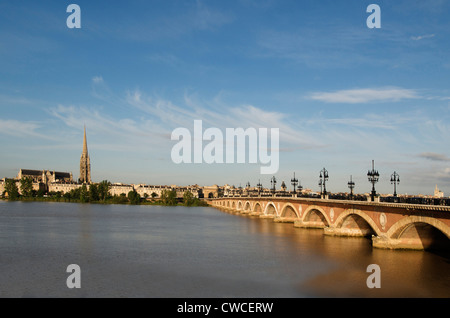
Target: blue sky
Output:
[(341, 94)]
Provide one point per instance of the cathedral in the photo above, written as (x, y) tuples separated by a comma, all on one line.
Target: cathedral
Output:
[(85, 163)]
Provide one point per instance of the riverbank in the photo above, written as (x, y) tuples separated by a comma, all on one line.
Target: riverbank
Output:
[(113, 200)]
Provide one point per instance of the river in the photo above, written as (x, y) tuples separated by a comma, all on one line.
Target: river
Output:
[(195, 252)]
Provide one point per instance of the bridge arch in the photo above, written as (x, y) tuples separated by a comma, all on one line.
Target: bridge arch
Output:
[(315, 216), (420, 231), (354, 222), (257, 207), (289, 211), (239, 206), (247, 206), (271, 209)]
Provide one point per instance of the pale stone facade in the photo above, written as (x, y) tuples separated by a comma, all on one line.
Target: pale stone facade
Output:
[(438, 193)]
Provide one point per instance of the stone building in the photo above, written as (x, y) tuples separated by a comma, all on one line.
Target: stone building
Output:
[(438, 193)]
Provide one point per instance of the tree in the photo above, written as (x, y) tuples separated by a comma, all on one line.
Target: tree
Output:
[(11, 188), (84, 194), (26, 186), (188, 198), (93, 193), (103, 190), (134, 197), (169, 197)]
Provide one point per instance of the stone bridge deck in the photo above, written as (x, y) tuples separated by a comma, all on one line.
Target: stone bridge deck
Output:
[(390, 225)]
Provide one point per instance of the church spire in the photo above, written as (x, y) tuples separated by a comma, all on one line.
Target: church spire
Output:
[(85, 162), (85, 150)]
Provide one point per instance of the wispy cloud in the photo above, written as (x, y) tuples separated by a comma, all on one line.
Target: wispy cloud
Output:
[(421, 37), (23, 129), (219, 114), (434, 156), (97, 79), (365, 95)]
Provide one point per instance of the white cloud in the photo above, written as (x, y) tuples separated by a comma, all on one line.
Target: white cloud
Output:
[(97, 79), (20, 128), (420, 37), (365, 95)]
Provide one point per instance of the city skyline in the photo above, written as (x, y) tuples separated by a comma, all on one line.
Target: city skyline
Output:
[(341, 94)]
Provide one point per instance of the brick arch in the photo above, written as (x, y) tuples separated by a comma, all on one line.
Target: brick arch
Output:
[(247, 206), (270, 204), (240, 206), (345, 216), (400, 226), (257, 207), (316, 214), (288, 207)]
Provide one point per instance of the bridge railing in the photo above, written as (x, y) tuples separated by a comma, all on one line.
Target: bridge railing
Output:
[(386, 199)]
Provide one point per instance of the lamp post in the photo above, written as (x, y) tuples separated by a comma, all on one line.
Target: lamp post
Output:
[(294, 182), (351, 185), (373, 177), (323, 178), (273, 182), (259, 186), (395, 179)]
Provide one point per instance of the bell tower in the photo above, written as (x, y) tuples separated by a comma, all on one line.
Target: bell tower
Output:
[(85, 164)]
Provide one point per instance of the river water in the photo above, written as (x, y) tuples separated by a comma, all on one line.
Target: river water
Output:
[(181, 252)]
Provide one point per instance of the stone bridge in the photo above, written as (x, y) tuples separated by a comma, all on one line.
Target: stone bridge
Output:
[(389, 225)]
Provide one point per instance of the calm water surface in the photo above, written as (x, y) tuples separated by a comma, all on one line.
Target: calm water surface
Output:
[(151, 251)]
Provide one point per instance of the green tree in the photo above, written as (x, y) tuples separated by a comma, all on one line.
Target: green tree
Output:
[(134, 197), (84, 194), (12, 189), (93, 193), (103, 190), (26, 186), (188, 198), (40, 193), (169, 197), (75, 193)]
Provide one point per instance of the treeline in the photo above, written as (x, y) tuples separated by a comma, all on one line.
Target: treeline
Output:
[(97, 193)]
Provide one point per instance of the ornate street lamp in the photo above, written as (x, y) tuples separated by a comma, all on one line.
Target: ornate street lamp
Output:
[(259, 186), (395, 179), (373, 177), (323, 178), (351, 185), (273, 182), (294, 182)]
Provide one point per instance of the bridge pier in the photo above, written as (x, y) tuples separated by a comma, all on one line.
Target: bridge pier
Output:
[(280, 219), (395, 244), (355, 232), (309, 224)]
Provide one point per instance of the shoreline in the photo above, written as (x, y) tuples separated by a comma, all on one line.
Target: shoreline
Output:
[(109, 202)]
